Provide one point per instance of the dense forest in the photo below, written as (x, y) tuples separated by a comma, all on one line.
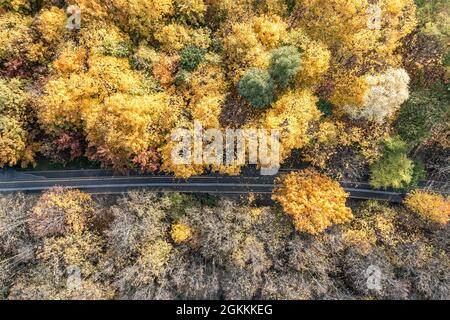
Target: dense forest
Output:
[(358, 89), (68, 245)]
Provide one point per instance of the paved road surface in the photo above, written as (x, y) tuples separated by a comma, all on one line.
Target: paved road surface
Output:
[(106, 182)]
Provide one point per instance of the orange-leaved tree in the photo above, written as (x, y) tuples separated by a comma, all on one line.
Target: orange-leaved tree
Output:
[(314, 201)]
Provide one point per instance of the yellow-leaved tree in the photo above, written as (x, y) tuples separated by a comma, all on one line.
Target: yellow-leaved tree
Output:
[(61, 211), (180, 232), (248, 44), (358, 25), (292, 115), (14, 34), (312, 200), (15, 141), (431, 207), (124, 126), (142, 17)]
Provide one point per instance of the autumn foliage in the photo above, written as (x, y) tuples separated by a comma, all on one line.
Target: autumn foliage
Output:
[(357, 89), (61, 211), (203, 247), (114, 90), (313, 201), (429, 206)]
